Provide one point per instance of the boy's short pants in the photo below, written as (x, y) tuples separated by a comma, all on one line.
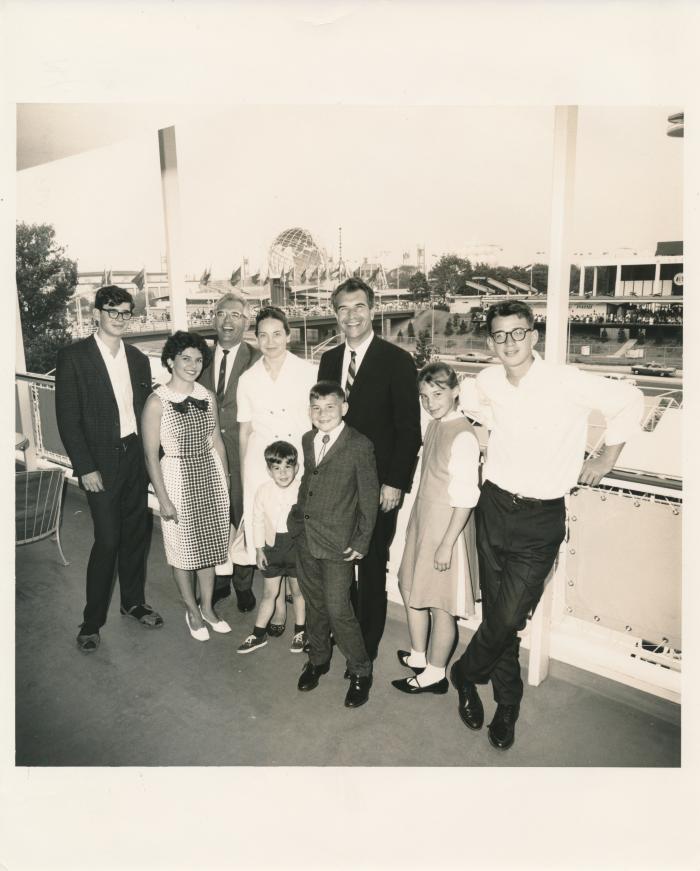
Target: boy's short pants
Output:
[(280, 557)]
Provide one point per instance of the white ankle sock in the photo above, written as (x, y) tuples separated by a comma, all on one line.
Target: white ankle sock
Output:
[(416, 658), (432, 674)]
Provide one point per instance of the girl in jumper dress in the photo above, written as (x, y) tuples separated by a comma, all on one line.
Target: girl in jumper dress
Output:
[(438, 576)]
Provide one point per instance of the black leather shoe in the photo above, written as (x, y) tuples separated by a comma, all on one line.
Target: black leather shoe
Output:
[(245, 600), (471, 711), (439, 687), (88, 642), (502, 727), (311, 675), (358, 691), (402, 656)]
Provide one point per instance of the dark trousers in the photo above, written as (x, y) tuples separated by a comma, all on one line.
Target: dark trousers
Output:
[(517, 543), (325, 585), (369, 593), (122, 526), (242, 575)]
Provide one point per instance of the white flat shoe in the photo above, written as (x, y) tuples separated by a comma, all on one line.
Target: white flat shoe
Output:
[(198, 634), (221, 626)]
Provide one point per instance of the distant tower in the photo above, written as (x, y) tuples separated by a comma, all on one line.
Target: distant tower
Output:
[(420, 258)]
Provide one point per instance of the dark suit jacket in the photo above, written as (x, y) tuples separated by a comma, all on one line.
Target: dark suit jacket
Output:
[(338, 500), (384, 406), (228, 412), (86, 408)]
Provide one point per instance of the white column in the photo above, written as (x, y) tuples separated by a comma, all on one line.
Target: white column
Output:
[(595, 281), (618, 280), (173, 228), (657, 278), (564, 161), (581, 280)]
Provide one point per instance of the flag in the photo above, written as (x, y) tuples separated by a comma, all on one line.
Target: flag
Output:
[(139, 279), (406, 256), (206, 275), (266, 280), (235, 276), (314, 275), (335, 272), (255, 278), (103, 281), (323, 275), (302, 278), (375, 273), (356, 273)]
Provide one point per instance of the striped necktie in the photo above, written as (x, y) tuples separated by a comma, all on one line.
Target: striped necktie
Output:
[(350, 380), (221, 384), (326, 438)]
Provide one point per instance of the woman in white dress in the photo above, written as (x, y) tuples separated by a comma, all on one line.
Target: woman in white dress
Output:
[(273, 405)]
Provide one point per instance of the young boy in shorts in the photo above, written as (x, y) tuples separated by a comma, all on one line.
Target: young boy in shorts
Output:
[(274, 548), (331, 525)]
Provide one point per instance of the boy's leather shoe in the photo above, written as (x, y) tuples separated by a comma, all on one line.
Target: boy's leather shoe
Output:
[(311, 674), (502, 727), (471, 711), (245, 599), (358, 691)]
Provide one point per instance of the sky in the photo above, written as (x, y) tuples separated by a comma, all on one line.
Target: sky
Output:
[(394, 178)]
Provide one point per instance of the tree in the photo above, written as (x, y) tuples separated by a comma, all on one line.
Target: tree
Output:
[(449, 329), (621, 337), (46, 281), (418, 285), (423, 350), (603, 335), (449, 274), (463, 327), (410, 331)]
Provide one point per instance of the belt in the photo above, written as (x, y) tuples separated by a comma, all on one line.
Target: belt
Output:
[(518, 499), (127, 440)]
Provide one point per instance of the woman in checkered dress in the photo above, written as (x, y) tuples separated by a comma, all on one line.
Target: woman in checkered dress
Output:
[(190, 481)]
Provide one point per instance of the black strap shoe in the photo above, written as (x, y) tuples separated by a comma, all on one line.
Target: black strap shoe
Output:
[(471, 711), (405, 686), (402, 656), (311, 675), (502, 727), (358, 691)]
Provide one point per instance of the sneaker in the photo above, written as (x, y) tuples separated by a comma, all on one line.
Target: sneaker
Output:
[(251, 643), (298, 643)]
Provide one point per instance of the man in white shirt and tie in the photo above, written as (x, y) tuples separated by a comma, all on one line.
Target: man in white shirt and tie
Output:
[(232, 356), (537, 416)]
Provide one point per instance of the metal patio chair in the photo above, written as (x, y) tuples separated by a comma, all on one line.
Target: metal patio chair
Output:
[(38, 497)]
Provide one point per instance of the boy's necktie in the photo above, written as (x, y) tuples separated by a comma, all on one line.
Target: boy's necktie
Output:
[(222, 376), (350, 380), (326, 438)]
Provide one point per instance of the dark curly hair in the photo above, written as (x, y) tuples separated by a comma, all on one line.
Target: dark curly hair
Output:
[(509, 308), (112, 294), (180, 340), (271, 311)]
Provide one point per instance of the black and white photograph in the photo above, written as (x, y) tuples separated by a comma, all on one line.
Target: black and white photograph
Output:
[(349, 400)]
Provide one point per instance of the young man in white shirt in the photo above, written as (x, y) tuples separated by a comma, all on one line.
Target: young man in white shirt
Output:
[(537, 415), (101, 387)]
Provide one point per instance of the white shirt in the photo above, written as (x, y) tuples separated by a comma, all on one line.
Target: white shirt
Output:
[(230, 359), (463, 467), (118, 371), (537, 430), (332, 438), (270, 510), (360, 352)]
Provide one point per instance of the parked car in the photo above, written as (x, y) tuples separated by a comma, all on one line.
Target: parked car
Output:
[(653, 368), (474, 357), (619, 376)]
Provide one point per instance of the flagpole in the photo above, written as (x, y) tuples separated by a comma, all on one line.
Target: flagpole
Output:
[(145, 287)]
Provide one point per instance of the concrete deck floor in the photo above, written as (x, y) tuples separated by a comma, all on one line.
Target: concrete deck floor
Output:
[(159, 698)]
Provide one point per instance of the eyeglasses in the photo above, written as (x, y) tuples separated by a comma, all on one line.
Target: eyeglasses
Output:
[(114, 314), (517, 335), (236, 316)]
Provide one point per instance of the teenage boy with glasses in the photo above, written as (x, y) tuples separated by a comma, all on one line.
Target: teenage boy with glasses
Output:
[(537, 417), (101, 387)]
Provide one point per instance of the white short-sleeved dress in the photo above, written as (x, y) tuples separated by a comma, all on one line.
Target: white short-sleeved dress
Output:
[(278, 411), (195, 480), (449, 478)]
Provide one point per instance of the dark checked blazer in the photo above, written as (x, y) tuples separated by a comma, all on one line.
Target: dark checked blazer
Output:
[(383, 405), (228, 413), (338, 499), (86, 408)]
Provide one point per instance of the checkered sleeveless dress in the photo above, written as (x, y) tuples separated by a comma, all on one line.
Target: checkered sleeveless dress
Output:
[(195, 480)]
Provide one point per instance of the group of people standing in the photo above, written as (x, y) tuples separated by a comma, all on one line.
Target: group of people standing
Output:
[(313, 466)]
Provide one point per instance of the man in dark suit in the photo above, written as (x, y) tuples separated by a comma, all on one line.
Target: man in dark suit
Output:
[(101, 387), (380, 383), (331, 525), (232, 357)]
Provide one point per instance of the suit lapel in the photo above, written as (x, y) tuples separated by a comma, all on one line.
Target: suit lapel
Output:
[(95, 357), (337, 444), (336, 357), (239, 366)]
